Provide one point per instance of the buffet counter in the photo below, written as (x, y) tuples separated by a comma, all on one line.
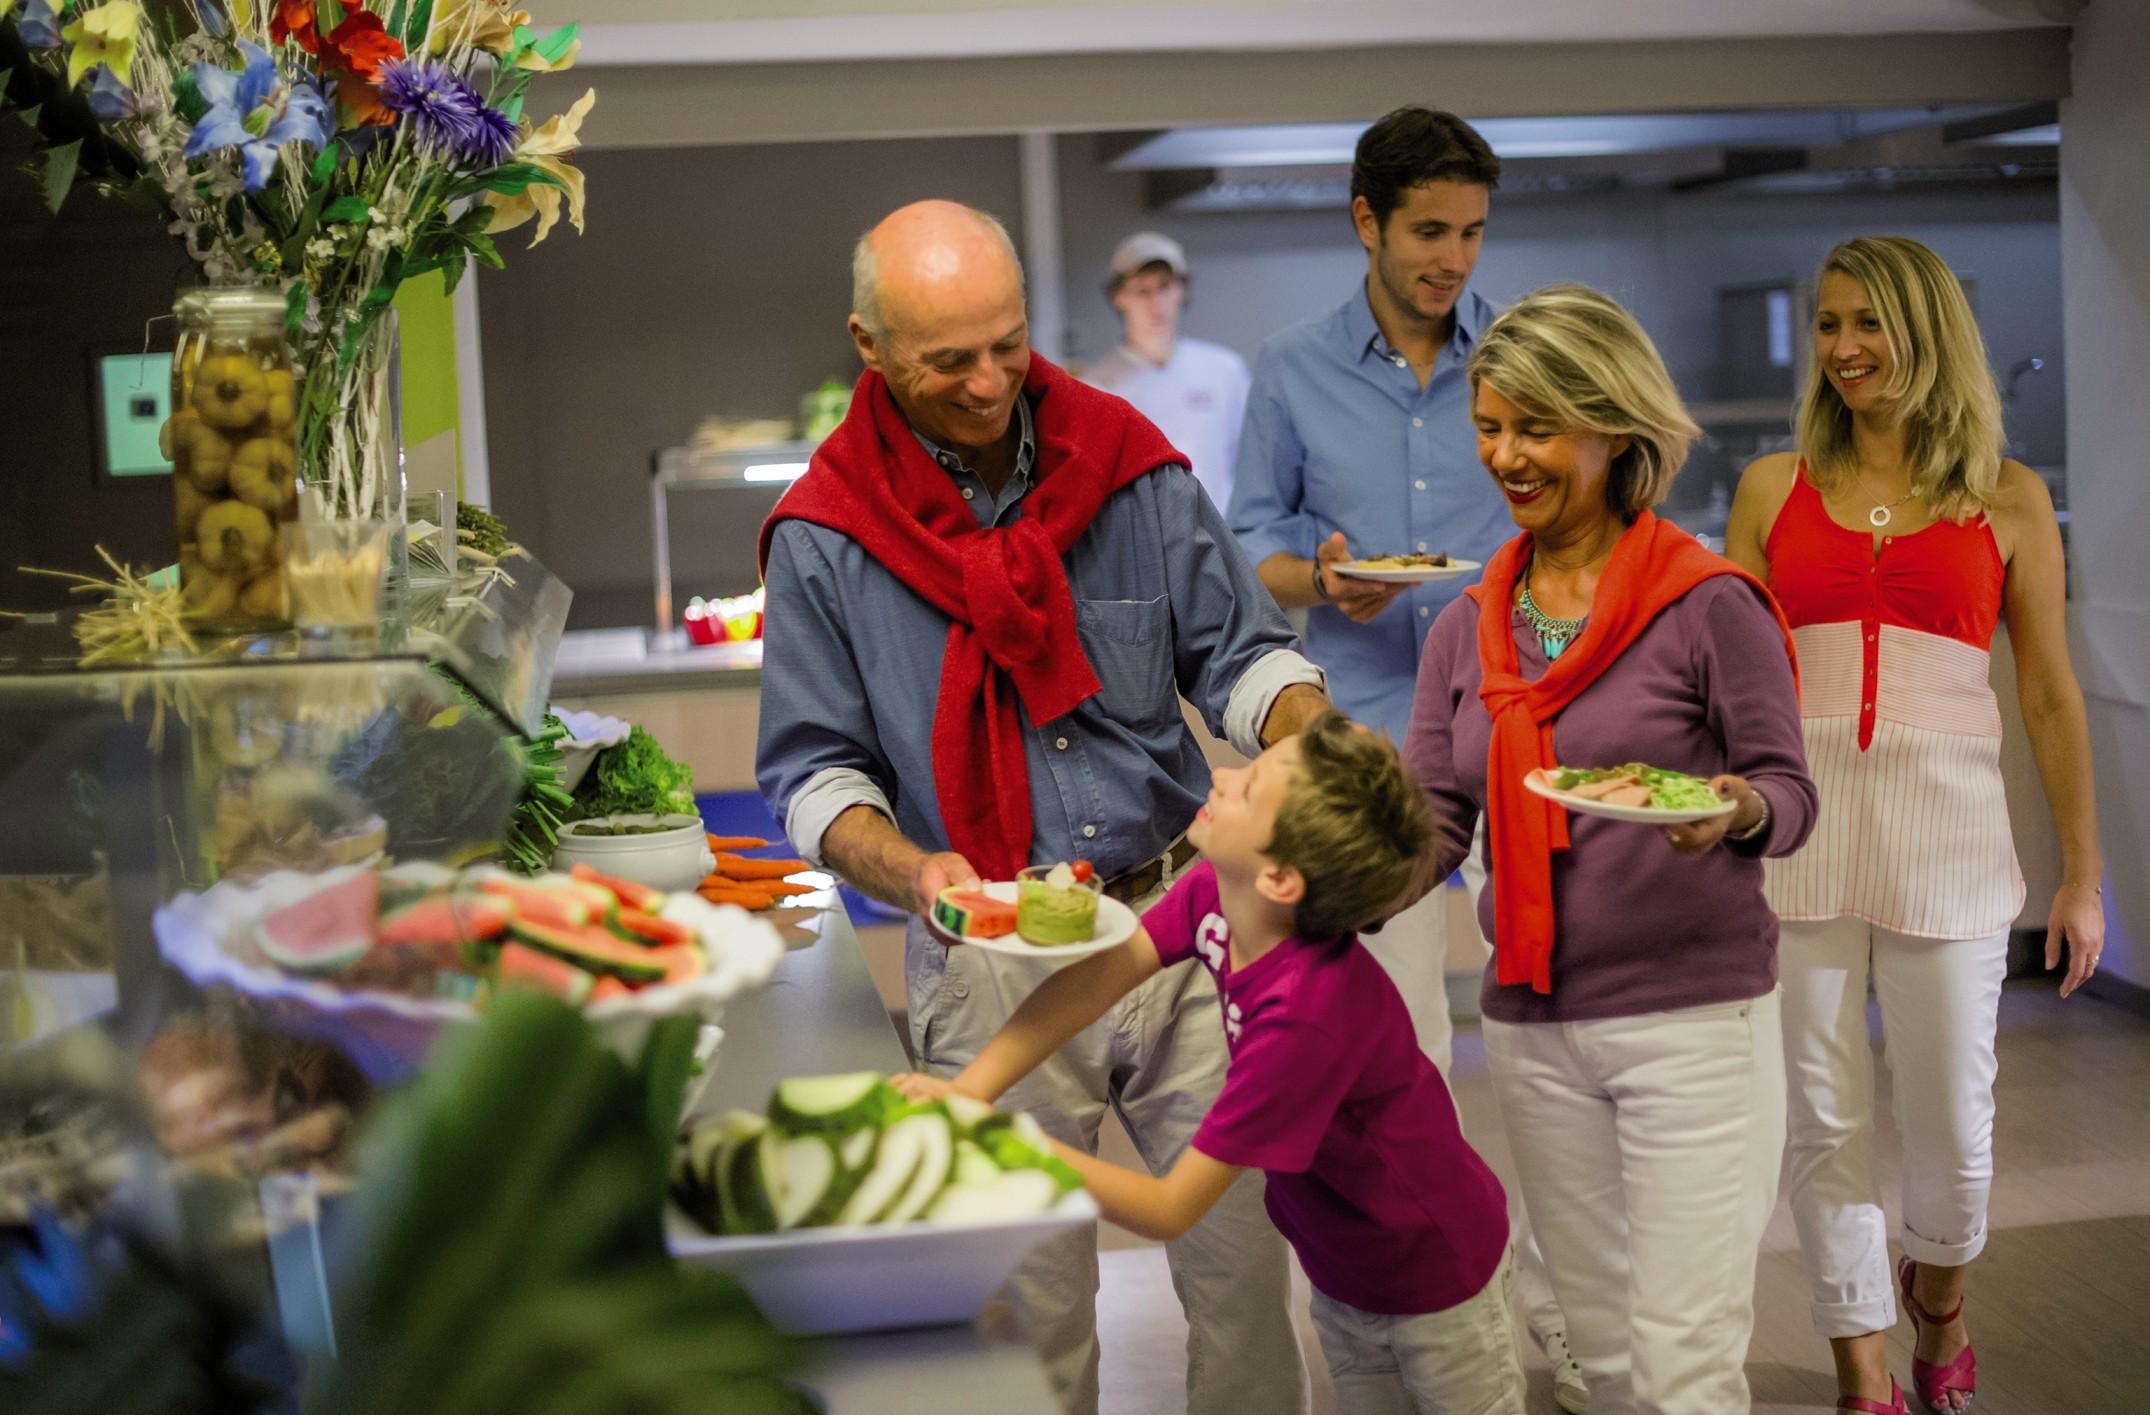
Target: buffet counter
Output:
[(820, 1014), (704, 704)]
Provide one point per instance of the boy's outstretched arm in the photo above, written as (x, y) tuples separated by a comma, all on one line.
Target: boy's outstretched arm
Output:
[(1160, 1209), (1049, 1018)]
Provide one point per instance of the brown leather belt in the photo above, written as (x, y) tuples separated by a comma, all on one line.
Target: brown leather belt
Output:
[(1143, 878)]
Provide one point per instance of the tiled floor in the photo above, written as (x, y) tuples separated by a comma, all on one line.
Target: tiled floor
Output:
[(2058, 1304)]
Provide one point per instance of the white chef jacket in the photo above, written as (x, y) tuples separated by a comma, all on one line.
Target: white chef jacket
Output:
[(1196, 398)]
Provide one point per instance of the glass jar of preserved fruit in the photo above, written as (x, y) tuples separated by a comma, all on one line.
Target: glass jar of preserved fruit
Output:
[(232, 442)]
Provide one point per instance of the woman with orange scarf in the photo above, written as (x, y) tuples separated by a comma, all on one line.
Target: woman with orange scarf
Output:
[(1630, 1011)]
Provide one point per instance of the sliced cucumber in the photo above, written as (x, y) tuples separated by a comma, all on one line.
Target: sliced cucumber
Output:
[(798, 1175), (743, 1198), (968, 1112), (856, 1149), (894, 1163), (1016, 1194), (808, 1105), (936, 1157), (973, 1165)]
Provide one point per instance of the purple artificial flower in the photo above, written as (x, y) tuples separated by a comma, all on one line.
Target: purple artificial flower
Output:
[(497, 139), (445, 112)]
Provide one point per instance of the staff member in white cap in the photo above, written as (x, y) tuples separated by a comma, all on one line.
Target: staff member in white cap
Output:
[(1195, 391)]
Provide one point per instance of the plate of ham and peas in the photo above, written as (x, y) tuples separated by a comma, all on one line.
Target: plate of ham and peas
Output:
[(1646, 795)]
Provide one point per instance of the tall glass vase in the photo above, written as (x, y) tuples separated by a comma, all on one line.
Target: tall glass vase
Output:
[(351, 437)]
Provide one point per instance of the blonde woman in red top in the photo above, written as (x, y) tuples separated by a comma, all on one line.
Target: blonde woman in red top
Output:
[(1896, 539)]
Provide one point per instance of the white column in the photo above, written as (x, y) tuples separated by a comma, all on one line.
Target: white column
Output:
[(470, 394), (2105, 294), (1041, 245)]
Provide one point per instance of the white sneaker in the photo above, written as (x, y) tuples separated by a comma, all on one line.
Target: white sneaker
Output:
[(1569, 1392)]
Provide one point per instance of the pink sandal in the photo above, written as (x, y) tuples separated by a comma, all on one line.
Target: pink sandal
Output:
[(1935, 1384), (1863, 1406)]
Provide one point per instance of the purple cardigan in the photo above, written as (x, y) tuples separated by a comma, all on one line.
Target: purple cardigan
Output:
[(1705, 689)]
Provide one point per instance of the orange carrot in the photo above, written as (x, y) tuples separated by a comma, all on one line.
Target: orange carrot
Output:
[(741, 868), (734, 894), (736, 842), (784, 888)]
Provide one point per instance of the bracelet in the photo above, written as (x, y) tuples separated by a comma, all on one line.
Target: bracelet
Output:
[(1321, 588), (1761, 822)]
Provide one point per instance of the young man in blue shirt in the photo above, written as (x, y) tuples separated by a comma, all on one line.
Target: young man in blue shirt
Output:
[(1359, 442)]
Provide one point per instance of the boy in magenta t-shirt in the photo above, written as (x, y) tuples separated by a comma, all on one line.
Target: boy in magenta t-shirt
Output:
[(1400, 1226)]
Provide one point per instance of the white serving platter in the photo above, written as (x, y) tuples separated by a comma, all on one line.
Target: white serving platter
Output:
[(209, 938), (814, 1281)]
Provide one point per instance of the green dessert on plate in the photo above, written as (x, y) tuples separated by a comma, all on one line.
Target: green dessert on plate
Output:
[(1057, 906)]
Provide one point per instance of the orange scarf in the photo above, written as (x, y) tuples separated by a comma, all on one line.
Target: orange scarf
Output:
[(1654, 564)]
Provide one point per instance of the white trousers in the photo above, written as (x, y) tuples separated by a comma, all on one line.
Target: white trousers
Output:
[(1648, 1149), (1158, 1059), (1412, 949), (1533, 1284), (1940, 1006), (1459, 1362)]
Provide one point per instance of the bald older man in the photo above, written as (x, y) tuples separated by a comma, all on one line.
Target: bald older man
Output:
[(984, 600)]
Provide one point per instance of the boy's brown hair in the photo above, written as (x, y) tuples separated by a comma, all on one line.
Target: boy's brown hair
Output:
[(1354, 825)]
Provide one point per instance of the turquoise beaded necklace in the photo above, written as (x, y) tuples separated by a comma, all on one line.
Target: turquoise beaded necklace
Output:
[(1554, 635)]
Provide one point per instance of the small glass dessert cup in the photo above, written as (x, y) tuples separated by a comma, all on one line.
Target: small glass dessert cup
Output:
[(1053, 908)]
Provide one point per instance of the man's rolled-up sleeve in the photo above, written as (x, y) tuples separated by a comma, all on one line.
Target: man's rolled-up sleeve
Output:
[(819, 753), (1269, 473), (1233, 649)]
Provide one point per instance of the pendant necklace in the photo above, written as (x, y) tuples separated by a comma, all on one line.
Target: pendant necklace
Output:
[(1554, 635), (1880, 516)]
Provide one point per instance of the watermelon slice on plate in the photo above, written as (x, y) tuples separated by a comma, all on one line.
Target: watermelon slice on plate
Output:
[(327, 931)]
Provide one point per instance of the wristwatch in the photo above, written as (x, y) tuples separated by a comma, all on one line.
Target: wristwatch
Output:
[(1321, 586), (1761, 822)]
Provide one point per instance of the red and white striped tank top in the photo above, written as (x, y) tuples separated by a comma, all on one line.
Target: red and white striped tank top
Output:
[(1903, 734)]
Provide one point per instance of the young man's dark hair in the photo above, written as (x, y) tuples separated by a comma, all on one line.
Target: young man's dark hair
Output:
[(1412, 146)]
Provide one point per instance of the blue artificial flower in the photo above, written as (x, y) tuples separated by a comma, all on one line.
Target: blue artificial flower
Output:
[(39, 24), (445, 112), (53, 1281), (109, 98), (255, 111)]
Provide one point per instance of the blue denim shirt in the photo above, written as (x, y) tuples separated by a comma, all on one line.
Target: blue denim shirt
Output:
[(1166, 604), (1340, 437)]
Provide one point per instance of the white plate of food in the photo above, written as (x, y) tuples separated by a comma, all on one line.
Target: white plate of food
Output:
[(1048, 911), (1406, 569), (1646, 795)]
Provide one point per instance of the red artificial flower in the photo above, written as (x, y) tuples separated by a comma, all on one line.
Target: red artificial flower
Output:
[(360, 45), (293, 23), (360, 105)]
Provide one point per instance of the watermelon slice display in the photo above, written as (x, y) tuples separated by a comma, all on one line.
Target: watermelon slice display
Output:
[(627, 891), (683, 962), (649, 928), (540, 905), (521, 967), (597, 950), (443, 922), (327, 931)]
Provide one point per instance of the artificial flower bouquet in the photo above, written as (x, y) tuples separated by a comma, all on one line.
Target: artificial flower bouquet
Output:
[(326, 149)]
